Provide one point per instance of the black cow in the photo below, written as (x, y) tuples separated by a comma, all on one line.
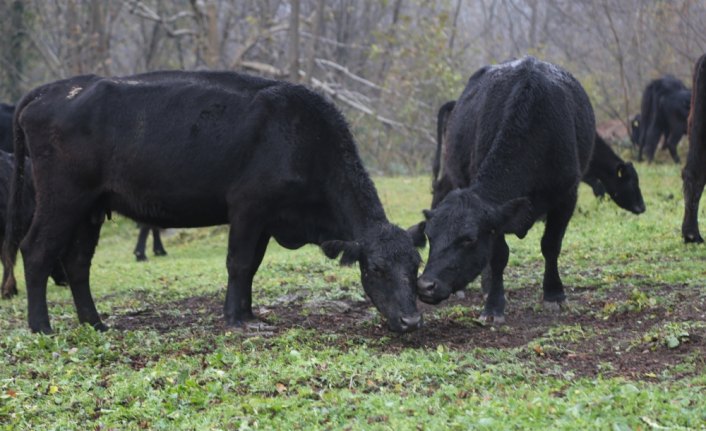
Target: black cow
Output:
[(157, 246), (665, 108), (606, 171), (190, 149), (519, 140), (6, 112), (694, 173), (7, 162)]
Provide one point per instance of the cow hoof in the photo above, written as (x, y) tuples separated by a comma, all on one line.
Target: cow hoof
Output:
[(140, 257), (555, 306), (41, 329), (160, 253), (693, 238), (9, 293), (100, 327), (491, 319)]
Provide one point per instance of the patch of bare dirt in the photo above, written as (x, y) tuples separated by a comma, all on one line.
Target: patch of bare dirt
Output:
[(610, 343)]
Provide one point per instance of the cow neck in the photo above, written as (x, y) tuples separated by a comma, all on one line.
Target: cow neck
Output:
[(491, 183), (354, 200), (604, 163)]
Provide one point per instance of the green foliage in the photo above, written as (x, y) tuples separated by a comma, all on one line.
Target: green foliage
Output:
[(670, 335), (202, 376)]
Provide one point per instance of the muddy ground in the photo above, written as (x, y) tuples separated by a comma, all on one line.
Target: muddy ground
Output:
[(615, 332)]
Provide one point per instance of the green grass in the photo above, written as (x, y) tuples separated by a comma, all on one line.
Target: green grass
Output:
[(357, 376)]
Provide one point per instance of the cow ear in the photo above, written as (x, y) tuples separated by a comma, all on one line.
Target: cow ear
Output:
[(417, 233), (621, 170), (351, 251), (514, 216)]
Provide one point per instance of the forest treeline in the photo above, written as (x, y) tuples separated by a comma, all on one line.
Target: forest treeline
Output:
[(388, 64)]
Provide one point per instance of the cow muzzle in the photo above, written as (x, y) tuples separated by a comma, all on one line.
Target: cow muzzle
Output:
[(410, 323), (431, 290)]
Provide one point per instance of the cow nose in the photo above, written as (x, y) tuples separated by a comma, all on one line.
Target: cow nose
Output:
[(411, 322), (639, 209), (425, 286)]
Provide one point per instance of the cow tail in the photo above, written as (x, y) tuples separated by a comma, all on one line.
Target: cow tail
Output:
[(441, 122), (14, 230)]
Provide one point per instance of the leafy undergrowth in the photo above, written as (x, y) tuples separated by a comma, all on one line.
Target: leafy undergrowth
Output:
[(629, 353)]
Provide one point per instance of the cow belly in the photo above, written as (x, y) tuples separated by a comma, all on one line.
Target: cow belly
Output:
[(184, 212), (306, 224)]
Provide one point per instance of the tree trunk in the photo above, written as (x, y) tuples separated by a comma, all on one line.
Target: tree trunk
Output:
[(454, 26), (318, 30), (294, 42), (16, 57)]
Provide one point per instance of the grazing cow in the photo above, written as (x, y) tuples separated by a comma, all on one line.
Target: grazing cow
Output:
[(694, 173), (191, 149), (608, 172), (605, 171), (519, 140), (7, 162), (157, 246), (665, 108), (6, 112)]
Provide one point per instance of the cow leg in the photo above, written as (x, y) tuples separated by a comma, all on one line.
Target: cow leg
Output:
[(486, 280), (139, 252), (494, 310), (694, 178), (650, 144), (41, 249), (157, 246), (9, 284), (672, 142), (246, 249), (77, 263), (554, 230)]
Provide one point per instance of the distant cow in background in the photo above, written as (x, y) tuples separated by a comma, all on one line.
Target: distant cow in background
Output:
[(606, 172), (7, 162), (6, 112), (609, 173), (694, 173), (664, 112), (7, 145)]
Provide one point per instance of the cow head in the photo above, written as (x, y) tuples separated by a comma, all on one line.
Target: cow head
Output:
[(461, 231), (388, 265), (624, 188)]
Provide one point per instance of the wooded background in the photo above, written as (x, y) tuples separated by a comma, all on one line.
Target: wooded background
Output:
[(388, 64)]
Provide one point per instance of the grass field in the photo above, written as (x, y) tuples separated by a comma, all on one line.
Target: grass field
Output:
[(630, 353)]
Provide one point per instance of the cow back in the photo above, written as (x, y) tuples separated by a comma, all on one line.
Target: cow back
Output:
[(522, 128)]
